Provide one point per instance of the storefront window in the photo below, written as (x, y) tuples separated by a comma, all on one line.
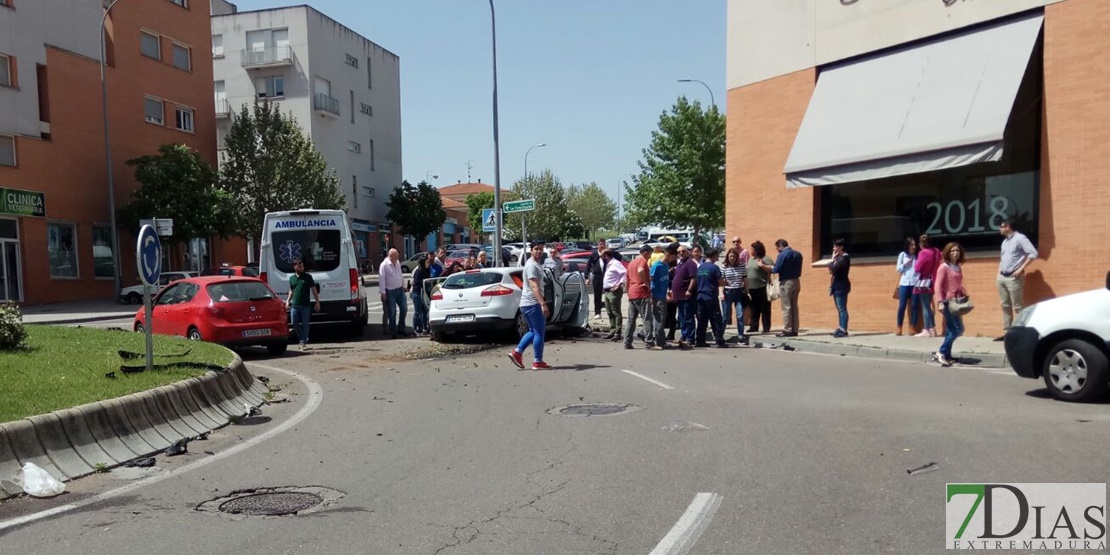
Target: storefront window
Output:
[(103, 263), (61, 244)]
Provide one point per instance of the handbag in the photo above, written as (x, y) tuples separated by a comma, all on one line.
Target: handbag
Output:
[(773, 291), (960, 305), (926, 283), (897, 291)]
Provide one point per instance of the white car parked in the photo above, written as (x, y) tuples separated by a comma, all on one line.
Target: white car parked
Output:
[(489, 300), (134, 294)]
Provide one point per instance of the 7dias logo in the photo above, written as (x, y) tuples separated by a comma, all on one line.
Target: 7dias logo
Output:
[(1025, 516)]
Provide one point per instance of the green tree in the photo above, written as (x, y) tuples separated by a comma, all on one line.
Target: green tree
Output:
[(176, 183), (272, 166), (681, 181), (594, 207), (418, 209), (549, 219), (475, 203)]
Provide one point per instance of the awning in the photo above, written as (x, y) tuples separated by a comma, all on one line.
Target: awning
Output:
[(941, 104)]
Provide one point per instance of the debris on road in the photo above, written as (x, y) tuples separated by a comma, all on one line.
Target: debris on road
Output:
[(145, 462), (684, 425), (923, 469)]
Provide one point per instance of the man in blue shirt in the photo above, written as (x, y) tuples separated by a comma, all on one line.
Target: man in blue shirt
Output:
[(710, 281), (435, 264), (788, 266), (660, 291)]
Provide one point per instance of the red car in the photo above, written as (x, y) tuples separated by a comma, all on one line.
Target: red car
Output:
[(581, 257), (229, 310), (229, 270)]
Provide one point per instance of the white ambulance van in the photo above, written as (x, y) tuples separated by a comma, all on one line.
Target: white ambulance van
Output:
[(322, 239)]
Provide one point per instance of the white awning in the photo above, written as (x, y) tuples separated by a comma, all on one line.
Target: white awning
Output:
[(941, 104)]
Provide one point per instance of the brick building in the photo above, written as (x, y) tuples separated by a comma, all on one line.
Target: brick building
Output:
[(875, 120)]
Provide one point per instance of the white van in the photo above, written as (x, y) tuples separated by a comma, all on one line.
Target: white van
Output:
[(322, 239)]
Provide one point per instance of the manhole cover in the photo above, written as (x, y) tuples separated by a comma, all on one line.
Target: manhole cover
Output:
[(593, 409), (273, 501)]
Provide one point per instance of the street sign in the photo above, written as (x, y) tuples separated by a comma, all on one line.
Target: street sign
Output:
[(164, 226), (526, 205), (148, 255), (489, 220)]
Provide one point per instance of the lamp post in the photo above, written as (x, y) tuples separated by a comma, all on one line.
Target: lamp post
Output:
[(711, 99), (108, 157), (523, 231), (620, 211), (496, 146)]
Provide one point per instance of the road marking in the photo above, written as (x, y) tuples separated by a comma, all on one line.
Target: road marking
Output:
[(688, 528), (643, 377), (315, 397)]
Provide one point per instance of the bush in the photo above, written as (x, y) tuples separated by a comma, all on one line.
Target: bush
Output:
[(12, 332)]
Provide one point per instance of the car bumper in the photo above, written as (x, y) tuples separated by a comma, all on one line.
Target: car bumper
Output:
[(1021, 346), (232, 335), (480, 323), (336, 312)]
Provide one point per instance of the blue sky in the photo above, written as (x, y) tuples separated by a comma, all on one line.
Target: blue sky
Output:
[(587, 77)]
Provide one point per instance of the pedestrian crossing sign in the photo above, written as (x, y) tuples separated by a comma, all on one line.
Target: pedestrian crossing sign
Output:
[(489, 220)]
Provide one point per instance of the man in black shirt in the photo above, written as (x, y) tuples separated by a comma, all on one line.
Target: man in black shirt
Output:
[(595, 272)]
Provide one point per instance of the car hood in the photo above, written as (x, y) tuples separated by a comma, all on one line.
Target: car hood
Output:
[(1089, 310)]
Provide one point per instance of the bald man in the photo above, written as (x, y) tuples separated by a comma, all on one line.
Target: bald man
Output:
[(391, 285)]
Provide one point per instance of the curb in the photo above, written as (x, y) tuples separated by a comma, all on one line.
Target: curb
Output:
[(986, 360), (84, 319), (70, 443)]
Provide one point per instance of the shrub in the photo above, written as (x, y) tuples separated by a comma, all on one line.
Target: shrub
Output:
[(12, 332)]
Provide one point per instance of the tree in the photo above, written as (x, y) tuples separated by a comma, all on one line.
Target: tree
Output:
[(593, 207), (681, 181), (475, 203), (418, 209), (272, 166), (176, 183), (549, 219)]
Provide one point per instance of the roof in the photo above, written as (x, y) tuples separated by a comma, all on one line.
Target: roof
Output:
[(449, 203), (466, 189)]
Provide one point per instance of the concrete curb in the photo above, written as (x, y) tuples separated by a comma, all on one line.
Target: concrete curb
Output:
[(986, 360), (71, 443), (84, 319)]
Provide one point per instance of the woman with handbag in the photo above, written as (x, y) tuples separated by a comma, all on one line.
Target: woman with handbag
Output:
[(952, 299), (840, 285), (906, 283), (734, 295), (757, 279), (928, 261)]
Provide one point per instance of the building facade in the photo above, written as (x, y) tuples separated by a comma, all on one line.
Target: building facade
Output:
[(55, 234), (343, 90), (877, 120)]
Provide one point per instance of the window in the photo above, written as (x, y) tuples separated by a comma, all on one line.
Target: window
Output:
[(352, 61), (366, 109), (321, 249), (268, 45), (154, 113), (354, 147), (7, 150), (182, 3), (217, 46), (352, 106), (354, 190), (182, 57), (368, 191), (184, 119), (239, 291), (61, 248), (5, 70), (372, 155), (369, 75), (219, 88), (104, 265), (270, 87), (150, 45)]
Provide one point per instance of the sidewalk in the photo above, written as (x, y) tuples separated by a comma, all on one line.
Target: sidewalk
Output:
[(976, 351), (77, 311)]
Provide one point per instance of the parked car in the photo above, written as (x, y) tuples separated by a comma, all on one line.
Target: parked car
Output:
[(460, 256), (134, 294), (616, 243), (231, 311), (231, 270), (489, 300), (516, 250), (1065, 341), (409, 264)]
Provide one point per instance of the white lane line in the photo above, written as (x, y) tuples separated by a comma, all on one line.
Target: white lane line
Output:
[(643, 377), (315, 397), (688, 528)]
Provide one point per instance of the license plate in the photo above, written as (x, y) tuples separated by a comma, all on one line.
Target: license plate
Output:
[(460, 318), (256, 333)]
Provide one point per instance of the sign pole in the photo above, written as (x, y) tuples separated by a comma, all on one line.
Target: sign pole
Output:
[(148, 259), (149, 328)]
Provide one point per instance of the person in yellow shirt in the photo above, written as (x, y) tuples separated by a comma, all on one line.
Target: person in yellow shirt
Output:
[(657, 255)]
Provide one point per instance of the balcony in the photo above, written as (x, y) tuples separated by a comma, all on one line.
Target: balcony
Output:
[(327, 105), (270, 56), (223, 108)]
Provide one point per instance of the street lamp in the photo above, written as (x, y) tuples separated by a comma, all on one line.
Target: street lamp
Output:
[(524, 187), (496, 147), (108, 157), (711, 99), (526, 153), (620, 189), (428, 174)]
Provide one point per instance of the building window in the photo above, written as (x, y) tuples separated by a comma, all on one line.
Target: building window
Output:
[(368, 191), (104, 266), (150, 45), (61, 248), (369, 75), (352, 106), (352, 61), (184, 119), (371, 154), (182, 3), (5, 71), (217, 46), (354, 190), (7, 150), (268, 45), (154, 113), (354, 147), (270, 87), (366, 109), (182, 57)]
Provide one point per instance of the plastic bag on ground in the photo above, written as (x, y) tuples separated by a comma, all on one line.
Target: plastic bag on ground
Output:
[(684, 426), (39, 483)]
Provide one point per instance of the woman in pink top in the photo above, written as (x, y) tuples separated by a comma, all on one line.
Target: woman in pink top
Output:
[(949, 285), (928, 260)]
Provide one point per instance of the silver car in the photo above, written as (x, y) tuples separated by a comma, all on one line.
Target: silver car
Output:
[(489, 300)]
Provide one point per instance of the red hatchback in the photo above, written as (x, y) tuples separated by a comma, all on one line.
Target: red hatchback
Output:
[(231, 311)]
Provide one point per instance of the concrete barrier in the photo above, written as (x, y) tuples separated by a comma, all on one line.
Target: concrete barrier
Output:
[(73, 442)]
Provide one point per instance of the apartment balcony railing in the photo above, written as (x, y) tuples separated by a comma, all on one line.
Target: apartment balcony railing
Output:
[(270, 56), (325, 104), (223, 108)]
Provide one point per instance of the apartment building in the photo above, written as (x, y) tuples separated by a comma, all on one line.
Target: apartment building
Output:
[(343, 89), (55, 237)]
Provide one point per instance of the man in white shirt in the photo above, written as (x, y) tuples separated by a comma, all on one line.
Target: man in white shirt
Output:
[(612, 282), (1017, 253), (391, 285)]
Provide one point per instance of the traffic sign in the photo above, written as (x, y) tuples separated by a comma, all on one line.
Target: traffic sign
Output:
[(489, 220), (148, 256), (164, 226), (526, 205)]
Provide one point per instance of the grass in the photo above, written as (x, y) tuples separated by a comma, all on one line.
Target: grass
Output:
[(62, 367)]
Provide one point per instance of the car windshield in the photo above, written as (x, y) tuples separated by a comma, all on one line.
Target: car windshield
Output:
[(239, 291), (320, 249), (471, 279)]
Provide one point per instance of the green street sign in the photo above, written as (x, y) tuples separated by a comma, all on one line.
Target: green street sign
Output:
[(526, 205), (22, 203)]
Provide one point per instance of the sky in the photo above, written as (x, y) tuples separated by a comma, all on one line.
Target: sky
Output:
[(589, 78)]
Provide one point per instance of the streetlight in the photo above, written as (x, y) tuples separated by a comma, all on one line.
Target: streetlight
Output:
[(108, 156), (428, 174), (620, 189), (526, 153), (711, 100), (496, 146), (523, 233)]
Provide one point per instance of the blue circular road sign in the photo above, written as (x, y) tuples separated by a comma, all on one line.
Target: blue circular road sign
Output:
[(148, 256)]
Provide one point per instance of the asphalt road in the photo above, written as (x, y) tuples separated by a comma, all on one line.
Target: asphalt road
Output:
[(762, 451)]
